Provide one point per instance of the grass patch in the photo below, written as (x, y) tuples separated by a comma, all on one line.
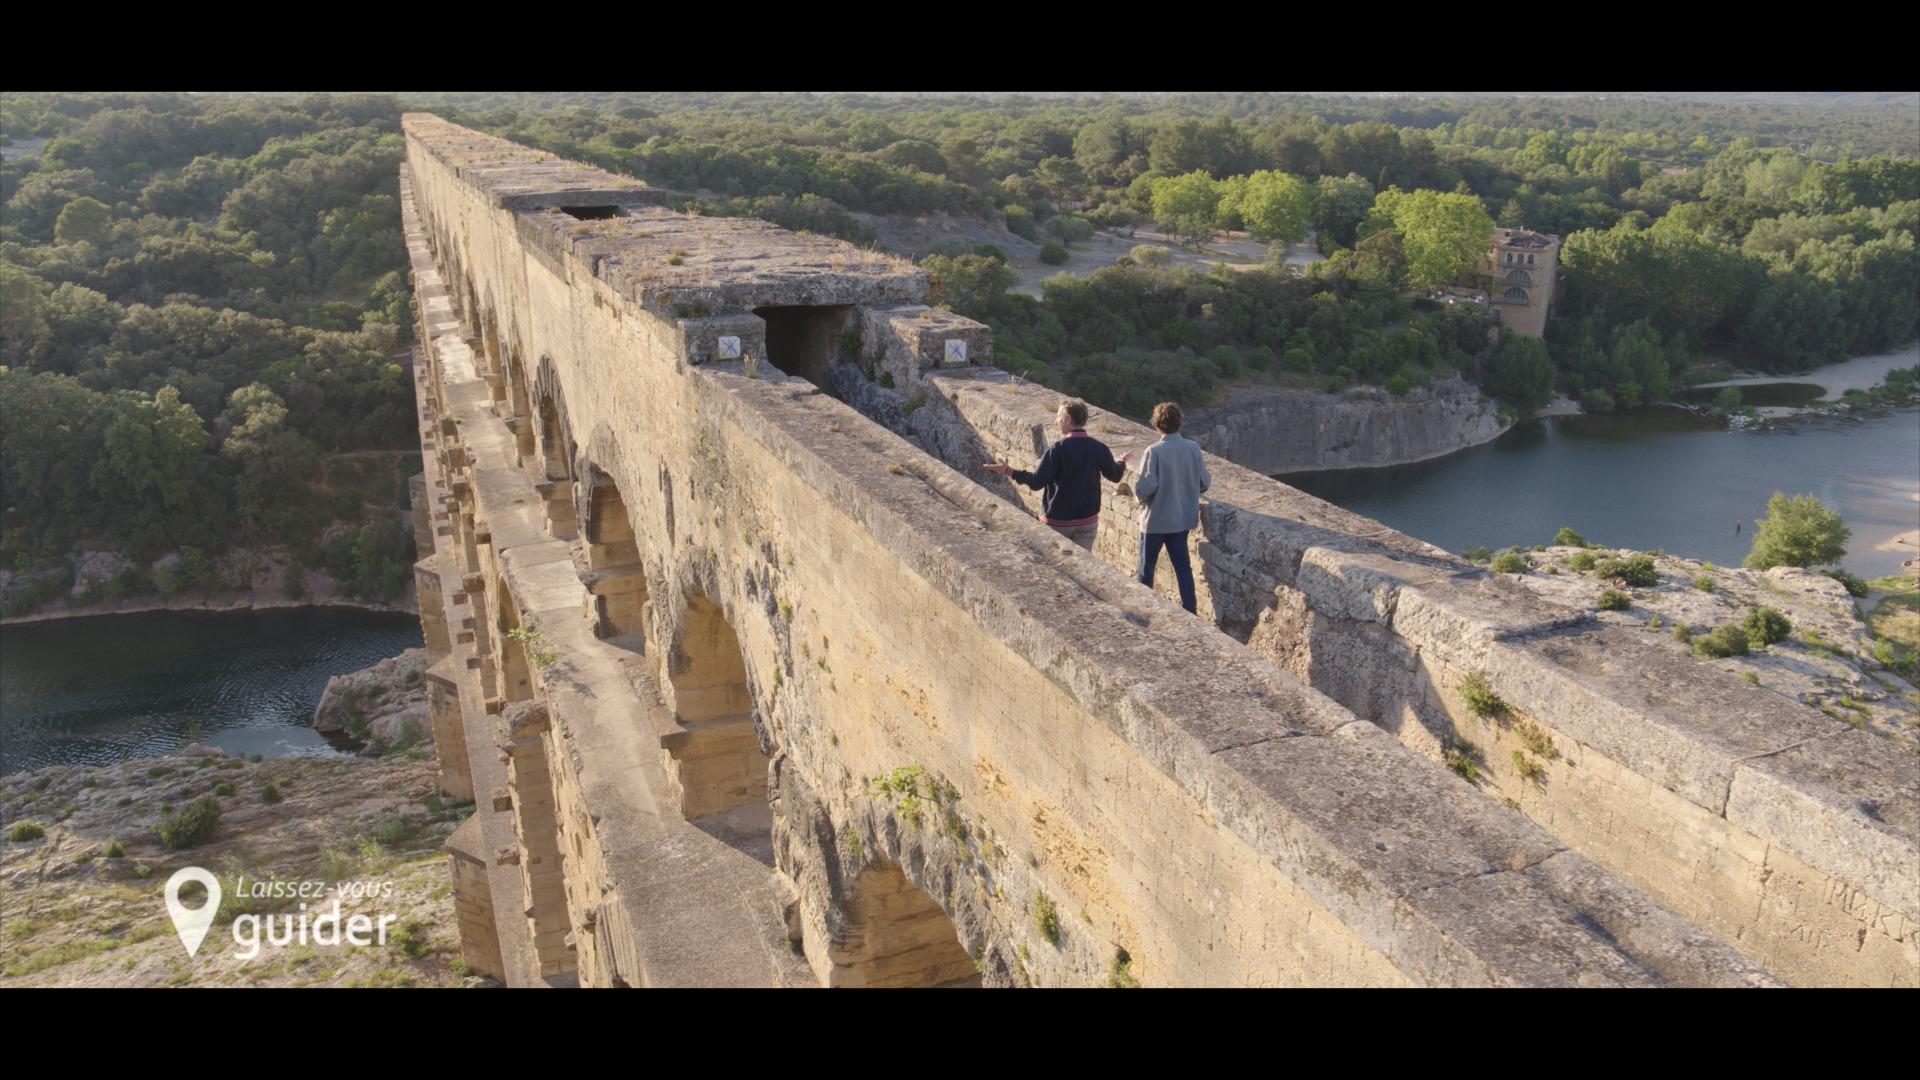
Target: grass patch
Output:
[(1530, 770), (1464, 761), (1479, 696)]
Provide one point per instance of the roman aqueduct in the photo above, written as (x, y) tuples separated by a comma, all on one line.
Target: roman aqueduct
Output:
[(757, 679)]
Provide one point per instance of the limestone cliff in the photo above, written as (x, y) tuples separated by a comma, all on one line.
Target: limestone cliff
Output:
[(1274, 430), (382, 706)]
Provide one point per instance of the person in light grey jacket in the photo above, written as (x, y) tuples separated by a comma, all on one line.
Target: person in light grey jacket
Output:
[(1172, 475)]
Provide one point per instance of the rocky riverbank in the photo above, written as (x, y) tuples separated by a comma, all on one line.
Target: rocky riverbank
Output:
[(1831, 658), (83, 871), (382, 707), (108, 583), (1275, 430)]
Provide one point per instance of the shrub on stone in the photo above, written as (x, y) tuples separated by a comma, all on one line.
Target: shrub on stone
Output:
[(189, 825), (23, 831), (1566, 537), (1046, 920), (1054, 253), (1508, 562), (1582, 561), (1614, 600), (1724, 641), (1636, 570), (1764, 626), (1476, 554), (390, 831)]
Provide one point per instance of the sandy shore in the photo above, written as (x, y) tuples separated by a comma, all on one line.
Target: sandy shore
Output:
[(1857, 373)]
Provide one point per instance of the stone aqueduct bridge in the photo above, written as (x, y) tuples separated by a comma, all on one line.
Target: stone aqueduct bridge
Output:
[(758, 680)]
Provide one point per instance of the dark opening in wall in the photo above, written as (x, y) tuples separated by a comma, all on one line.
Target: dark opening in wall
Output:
[(804, 340), (591, 213)]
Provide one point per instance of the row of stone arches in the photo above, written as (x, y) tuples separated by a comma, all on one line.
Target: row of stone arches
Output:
[(719, 753)]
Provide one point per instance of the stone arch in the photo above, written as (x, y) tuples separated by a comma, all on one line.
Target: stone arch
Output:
[(1514, 296), (516, 677), (714, 755), (895, 935), (519, 400), (615, 579), (556, 452), (1519, 277), (524, 732)]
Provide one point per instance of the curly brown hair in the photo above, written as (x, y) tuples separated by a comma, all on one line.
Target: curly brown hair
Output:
[(1167, 417)]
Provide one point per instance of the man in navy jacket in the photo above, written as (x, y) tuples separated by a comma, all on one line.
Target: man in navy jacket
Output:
[(1070, 473)]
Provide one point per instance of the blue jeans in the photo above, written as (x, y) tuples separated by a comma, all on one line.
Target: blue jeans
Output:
[(1176, 545)]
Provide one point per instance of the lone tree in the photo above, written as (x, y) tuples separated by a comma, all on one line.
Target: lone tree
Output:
[(1797, 531), (1441, 235), (1275, 207), (1185, 205)]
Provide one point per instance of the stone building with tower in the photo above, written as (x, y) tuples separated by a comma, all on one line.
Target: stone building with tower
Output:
[(1519, 274)]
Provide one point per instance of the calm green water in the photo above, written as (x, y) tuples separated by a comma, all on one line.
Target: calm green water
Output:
[(1651, 478), (97, 690)]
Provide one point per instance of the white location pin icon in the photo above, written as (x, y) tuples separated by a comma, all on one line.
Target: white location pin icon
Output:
[(192, 924)]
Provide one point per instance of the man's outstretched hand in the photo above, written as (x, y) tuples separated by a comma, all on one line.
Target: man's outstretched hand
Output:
[(1000, 467)]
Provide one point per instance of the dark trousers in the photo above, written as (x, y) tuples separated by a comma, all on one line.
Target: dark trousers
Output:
[(1176, 545)]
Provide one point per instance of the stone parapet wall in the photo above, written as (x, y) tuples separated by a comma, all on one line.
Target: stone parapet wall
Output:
[(1789, 834)]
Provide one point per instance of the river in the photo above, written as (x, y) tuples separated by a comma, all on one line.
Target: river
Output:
[(92, 691), (1652, 478)]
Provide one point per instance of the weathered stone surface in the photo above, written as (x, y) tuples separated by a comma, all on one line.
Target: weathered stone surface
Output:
[(383, 705)]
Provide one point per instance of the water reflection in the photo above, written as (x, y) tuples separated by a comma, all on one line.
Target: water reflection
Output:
[(1651, 478), (98, 690)]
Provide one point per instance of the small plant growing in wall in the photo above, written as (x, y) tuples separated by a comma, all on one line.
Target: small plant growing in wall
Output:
[(1479, 696), (1046, 920), (1530, 770), (851, 841), (539, 653), (1120, 972), (1464, 761), (1536, 739)]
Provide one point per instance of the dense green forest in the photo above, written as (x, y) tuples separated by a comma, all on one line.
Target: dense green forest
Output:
[(1781, 230), (204, 298)]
